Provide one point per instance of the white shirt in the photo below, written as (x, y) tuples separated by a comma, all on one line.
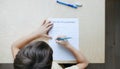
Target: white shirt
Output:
[(57, 66)]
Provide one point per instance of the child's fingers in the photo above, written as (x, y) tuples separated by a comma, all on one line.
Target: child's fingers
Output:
[(49, 27), (47, 22), (47, 36), (57, 41), (61, 36), (44, 22)]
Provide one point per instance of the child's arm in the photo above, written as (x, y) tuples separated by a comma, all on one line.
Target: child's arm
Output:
[(82, 62), (41, 32)]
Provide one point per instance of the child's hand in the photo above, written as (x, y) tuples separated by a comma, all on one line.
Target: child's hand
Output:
[(43, 30), (64, 43)]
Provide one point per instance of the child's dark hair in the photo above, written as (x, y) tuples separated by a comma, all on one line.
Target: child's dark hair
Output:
[(36, 55)]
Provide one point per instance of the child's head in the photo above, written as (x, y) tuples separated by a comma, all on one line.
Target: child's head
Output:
[(36, 55)]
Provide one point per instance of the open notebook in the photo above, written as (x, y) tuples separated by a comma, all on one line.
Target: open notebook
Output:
[(68, 27)]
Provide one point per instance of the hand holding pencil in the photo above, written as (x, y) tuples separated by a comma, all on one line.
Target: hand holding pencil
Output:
[(63, 40)]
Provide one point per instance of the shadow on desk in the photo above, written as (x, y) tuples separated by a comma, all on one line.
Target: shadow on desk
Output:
[(6, 66)]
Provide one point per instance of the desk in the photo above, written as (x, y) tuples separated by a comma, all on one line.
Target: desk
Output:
[(18, 18)]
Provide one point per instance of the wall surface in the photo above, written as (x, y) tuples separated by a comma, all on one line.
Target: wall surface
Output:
[(20, 17)]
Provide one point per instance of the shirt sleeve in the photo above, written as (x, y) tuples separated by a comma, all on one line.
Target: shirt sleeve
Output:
[(72, 67)]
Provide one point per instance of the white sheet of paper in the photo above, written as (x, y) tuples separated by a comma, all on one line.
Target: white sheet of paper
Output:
[(68, 27)]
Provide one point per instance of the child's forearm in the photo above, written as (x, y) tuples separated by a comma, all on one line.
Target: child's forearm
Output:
[(24, 41), (78, 55), (20, 43), (40, 32), (81, 60)]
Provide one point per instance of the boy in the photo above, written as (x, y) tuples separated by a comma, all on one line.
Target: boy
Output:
[(38, 54)]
